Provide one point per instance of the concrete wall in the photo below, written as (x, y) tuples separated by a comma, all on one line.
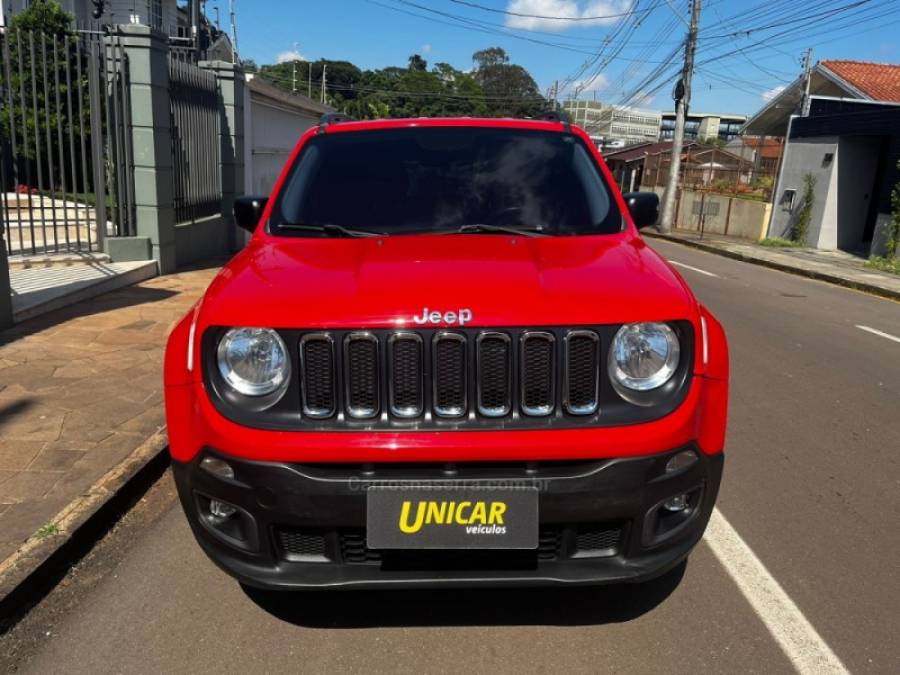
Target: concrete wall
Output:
[(802, 156), (736, 217), (271, 132)]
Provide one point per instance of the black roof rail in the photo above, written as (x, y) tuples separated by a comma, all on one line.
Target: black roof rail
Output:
[(333, 118), (555, 116)]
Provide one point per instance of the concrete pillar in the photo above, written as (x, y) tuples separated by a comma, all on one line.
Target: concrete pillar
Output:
[(146, 50), (230, 79), (6, 314)]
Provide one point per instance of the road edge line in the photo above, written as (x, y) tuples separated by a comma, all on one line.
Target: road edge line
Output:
[(836, 280), (786, 623), (36, 566)]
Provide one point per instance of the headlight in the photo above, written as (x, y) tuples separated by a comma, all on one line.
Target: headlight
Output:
[(643, 356), (254, 361)]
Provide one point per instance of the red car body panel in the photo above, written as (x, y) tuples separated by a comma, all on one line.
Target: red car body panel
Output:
[(283, 282)]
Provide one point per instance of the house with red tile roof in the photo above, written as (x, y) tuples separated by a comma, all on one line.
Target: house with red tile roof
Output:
[(841, 126)]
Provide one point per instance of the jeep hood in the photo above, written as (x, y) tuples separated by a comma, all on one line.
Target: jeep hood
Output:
[(504, 281)]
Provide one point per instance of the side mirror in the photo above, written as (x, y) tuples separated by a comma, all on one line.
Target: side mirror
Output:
[(248, 210), (644, 208)]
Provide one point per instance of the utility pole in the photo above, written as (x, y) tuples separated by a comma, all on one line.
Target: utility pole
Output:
[(234, 44), (294, 77), (309, 79), (324, 70), (807, 70), (682, 101)]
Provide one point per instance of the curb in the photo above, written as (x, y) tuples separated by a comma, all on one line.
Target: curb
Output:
[(837, 280), (29, 573)]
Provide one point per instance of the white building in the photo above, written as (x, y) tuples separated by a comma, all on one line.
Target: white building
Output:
[(614, 126)]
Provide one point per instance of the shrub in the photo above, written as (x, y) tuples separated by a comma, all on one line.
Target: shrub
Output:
[(801, 229)]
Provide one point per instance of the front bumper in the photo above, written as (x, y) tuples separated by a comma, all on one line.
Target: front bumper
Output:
[(303, 525)]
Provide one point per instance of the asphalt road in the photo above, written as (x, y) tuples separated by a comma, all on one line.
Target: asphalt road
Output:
[(812, 486)]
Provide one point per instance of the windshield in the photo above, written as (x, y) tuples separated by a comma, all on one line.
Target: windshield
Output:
[(445, 179)]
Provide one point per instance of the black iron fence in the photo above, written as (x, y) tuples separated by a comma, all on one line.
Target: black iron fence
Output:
[(195, 110), (65, 142)]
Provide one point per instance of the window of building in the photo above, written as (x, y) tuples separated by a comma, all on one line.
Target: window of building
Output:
[(154, 12)]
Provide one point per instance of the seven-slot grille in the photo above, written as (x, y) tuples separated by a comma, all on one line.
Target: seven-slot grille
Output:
[(447, 374)]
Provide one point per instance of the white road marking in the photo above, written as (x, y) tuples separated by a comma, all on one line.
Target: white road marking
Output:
[(796, 636), (874, 331), (695, 269)]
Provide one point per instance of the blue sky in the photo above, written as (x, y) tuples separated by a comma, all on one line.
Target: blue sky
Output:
[(638, 35)]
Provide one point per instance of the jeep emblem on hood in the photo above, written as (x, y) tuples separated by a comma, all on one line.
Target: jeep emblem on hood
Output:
[(460, 316)]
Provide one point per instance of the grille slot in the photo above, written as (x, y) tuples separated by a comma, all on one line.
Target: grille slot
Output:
[(354, 549), (582, 372), (361, 375), (494, 371), (301, 544), (538, 373), (405, 354), (318, 378), (597, 541), (450, 390)]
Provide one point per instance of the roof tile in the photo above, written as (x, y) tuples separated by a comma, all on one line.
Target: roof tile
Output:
[(879, 81)]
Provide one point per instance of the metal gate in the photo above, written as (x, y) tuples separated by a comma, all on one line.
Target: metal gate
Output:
[(65, 142)]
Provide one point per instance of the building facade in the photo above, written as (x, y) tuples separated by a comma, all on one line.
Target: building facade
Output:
[(842, 139), (162, 15), (703, 127), (614, 126)]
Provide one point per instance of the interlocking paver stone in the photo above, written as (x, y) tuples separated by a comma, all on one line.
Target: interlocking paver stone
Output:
[(80, 389)]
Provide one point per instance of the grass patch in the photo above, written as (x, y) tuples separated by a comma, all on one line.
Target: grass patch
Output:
[(780, 242), (48, 530), (891, 265)]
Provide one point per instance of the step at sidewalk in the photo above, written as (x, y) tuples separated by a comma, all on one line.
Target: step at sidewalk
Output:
[(37, 290), (81, 389)]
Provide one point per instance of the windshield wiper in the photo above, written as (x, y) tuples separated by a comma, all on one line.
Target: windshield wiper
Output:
[(478, 228), (330, 229)]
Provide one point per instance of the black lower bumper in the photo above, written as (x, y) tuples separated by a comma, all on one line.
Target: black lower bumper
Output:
[(303, 526)]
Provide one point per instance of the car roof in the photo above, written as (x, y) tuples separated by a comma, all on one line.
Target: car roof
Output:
[(484, 122)]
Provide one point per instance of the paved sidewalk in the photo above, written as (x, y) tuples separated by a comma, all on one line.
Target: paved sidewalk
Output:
[(834, 266), (80, 389)]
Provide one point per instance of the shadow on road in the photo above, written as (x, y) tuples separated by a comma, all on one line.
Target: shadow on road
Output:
[(468, 607)]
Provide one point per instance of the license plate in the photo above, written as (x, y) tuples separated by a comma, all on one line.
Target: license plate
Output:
[(452, 518)]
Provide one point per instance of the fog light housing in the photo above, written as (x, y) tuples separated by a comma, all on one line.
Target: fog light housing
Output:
[(676, 504), (221, 509), (681, 461), (217, 467)]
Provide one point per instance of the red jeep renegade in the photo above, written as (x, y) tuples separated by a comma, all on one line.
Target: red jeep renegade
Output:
[(446, 357)]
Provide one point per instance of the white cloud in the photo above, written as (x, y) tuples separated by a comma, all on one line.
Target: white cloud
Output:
[(289, 55), (588, 86), (426, 48), (607, 10), (772, 93)]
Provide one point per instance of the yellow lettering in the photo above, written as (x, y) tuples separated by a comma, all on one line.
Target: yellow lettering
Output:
[(405, 525), (497, 511), (450, 509), (436, 513), (479, 514), (460, 518)]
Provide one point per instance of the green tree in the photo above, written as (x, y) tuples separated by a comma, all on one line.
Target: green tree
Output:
[(509, 90), (42, 52), (893, 234), (416, 62)]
